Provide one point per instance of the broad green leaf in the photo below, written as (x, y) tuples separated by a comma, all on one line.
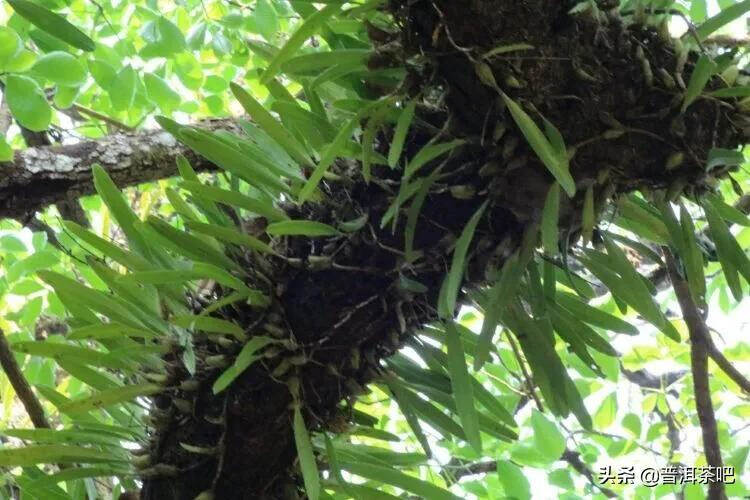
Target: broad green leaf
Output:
[(301, 228), (555, 160), (461, 384), (515, 484), (704, 68), (269, 125), (605, 415), (244, 359), (60, 67), (10, 46), (455, 275), (399, 134), (308, 27), (111, 397), (550, 215), (27, 102), (548, 439), (724, 17), (52, 23), (51, 453), (161, 93), (6, 152), (307, 463), (122, 89)]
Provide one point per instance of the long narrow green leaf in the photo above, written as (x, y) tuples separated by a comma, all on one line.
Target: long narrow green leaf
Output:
[(704, 68), (121, 211), (594, 316), (242, 362), (335, 149), (110, 250), (110, 397), (455, 275), (399, 479), (229, 158), (235, 199), (308, 27), (209, 324), (427, 154), (550, 216), (229, 235), (725, 16), (269, 125), (51, 453), (307, 228), (461, 383), (307, 462), (555, 160), (188, 245), (52, 23), (399, 134)]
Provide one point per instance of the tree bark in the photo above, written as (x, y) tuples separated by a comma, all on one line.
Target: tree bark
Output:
[(41, 176)]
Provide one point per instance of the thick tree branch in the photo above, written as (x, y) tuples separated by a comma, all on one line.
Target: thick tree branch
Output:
[(38, 177), (21, 386), (699, 349)]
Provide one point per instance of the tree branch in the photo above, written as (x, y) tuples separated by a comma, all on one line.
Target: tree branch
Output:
[(727, 367), (699, 349), (20, 385), (41, 176)]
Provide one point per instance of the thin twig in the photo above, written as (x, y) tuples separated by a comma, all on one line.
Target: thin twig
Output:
[(21, 385), (526, 375), (727, 367), (699, 349)]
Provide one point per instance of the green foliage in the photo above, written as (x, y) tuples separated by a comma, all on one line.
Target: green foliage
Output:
[(553, 336)]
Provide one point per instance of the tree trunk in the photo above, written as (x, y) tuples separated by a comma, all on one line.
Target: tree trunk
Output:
[(613, 89)]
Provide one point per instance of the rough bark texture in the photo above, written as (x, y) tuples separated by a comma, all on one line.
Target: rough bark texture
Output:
[(41, 176), (337, 301)]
